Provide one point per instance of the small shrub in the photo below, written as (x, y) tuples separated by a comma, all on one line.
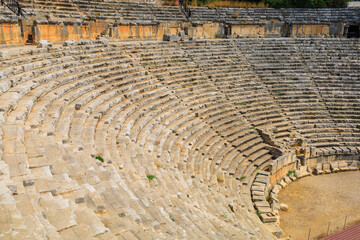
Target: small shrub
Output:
[(258, 213), (146, 73), (99, 158), (171, 218), (173, 131), (292, 172), (150, 177), (218, 35), (243, 177), (277, 91)]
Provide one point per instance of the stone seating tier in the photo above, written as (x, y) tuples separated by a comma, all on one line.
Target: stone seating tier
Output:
[(146, 140), (144, 11)]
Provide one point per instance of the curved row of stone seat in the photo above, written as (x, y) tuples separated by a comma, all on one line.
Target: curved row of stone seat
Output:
[(51, 10), (252, 15), (338, 87), (131, 11), (61, 135), (300, 94), (80, 10), (140, 140)]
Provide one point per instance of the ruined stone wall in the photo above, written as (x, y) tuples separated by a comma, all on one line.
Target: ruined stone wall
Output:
[(148, 21)]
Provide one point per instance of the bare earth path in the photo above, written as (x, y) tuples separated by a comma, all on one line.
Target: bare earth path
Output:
[(314, 201)]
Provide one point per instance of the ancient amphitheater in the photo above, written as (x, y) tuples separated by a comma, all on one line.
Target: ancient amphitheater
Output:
[(109, 132)]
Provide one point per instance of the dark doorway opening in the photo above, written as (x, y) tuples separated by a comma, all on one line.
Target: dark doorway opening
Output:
[(353, 31)]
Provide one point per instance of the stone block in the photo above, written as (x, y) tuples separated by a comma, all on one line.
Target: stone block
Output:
[(318, 169), (268, 217), (326, 168), (103, 40), (284, 207), (343, 166), (28, 182), (171, 37), (261, 204), (70, 43), (287, 180), (354, 165), (44, 44), (182, 35), (79, 200), (334, 167)]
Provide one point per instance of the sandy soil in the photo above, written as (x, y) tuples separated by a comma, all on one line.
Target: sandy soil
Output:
[(314, 201)]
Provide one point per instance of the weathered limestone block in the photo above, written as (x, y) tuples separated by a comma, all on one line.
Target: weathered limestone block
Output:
[(44, 44), (28, 182), (171, 38), (284, 207), (343, 166), (268, 217), (70, 43), (318, 169), (334, 166), (103, 40), (326, 168), (354, 165), (182, 35)]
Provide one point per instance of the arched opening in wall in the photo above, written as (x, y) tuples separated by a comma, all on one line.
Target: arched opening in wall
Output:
[(353, 31)]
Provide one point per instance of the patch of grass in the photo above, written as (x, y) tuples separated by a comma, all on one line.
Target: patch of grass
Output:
[(38, 156), (218, 35), (153, 108), (150, 177), (258, 213), (159, 76), (146, 73), (292, 172), (187, 195), (243, 177), (172, 218), (277, 91), (99, 158), (173, 131)]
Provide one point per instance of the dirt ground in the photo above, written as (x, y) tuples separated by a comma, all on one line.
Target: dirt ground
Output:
[(314, 201)]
